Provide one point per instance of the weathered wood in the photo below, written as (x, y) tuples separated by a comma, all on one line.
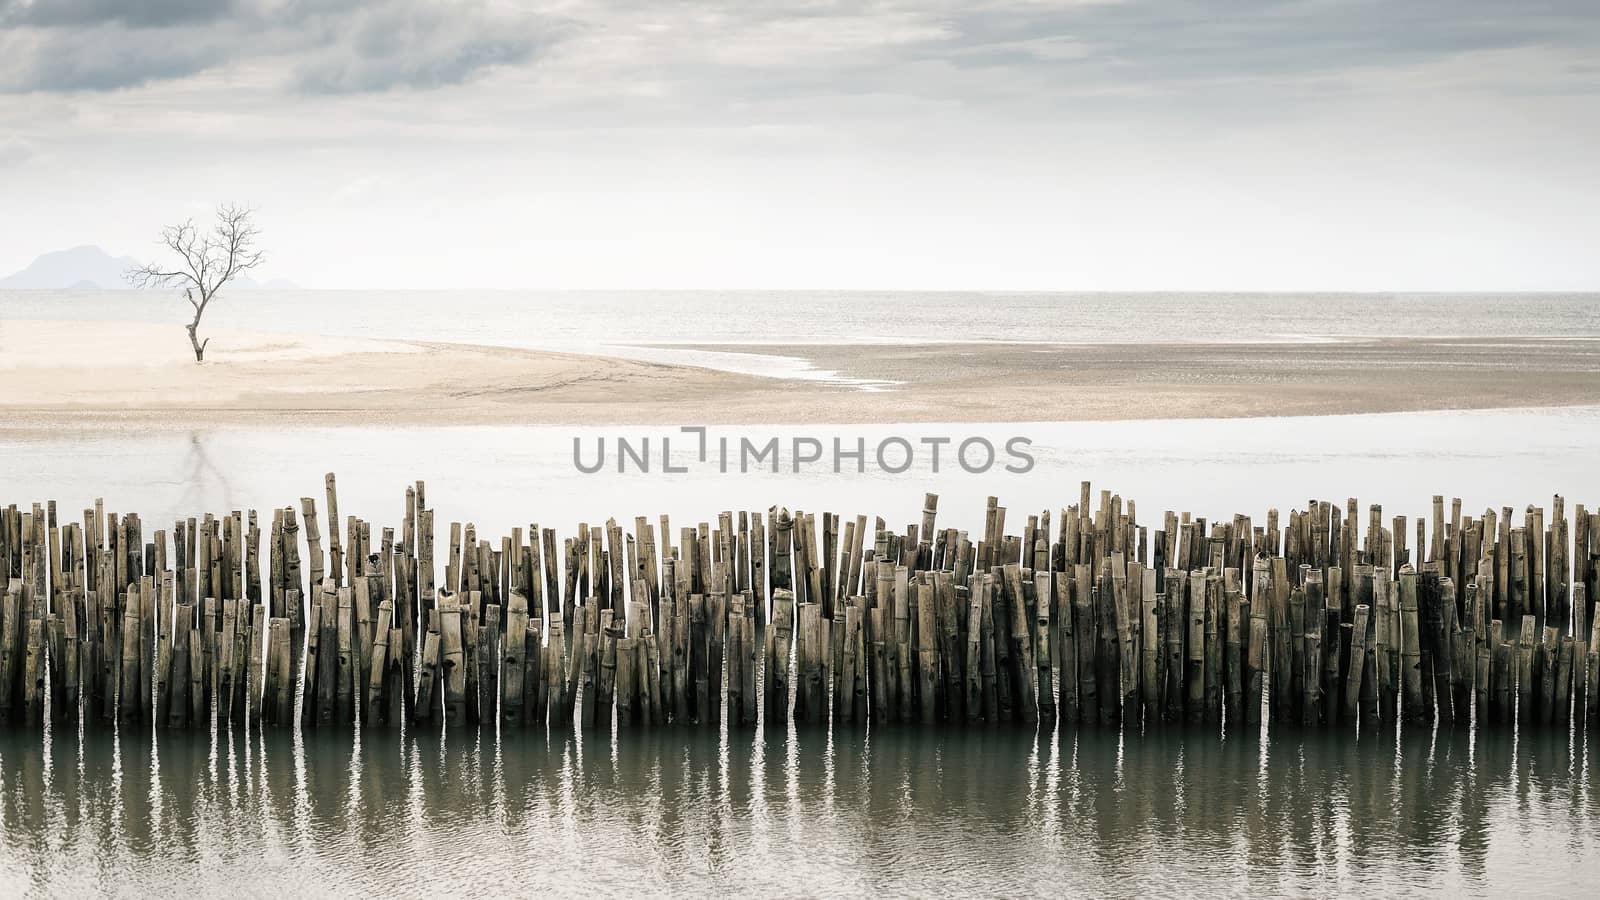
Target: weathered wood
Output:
[(1042, 598), (554, 684), (1335, 656), (1483, 651), (1354, 669), (473, 647), (1591, 681), (345, 660), (490, 647), (777, 669), (227, 661), (429, 676), (1213, 650), (1503, 678), (894, 584), (1386, 644), (1257, 653), (811, 680), (847, 671), (128, 706), (1236, 630), (699, 659), (622, 652), (1066, 656), (879, 665), (283, 677), (1592, 675), (363, 609), (256, 652), (1525, 651), (654, 698), (1316, 638), (1562, 705), (179, 681), (1346, 624), (1411, 649), (1195, 644), (512, 665), (735, 652), (927, 655), (1545, 685), (1084, 629), (452, 660), (377, 663), (33, 677), (716, 645)]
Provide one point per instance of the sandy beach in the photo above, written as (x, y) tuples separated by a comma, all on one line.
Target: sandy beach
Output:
[(81, 373)]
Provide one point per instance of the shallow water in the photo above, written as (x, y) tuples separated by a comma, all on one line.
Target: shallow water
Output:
[(804, 812), (506, 477)]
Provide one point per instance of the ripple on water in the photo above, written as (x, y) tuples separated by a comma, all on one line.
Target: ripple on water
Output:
[(914, 811)]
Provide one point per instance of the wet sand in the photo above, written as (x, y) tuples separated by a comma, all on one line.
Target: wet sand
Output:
[(61, 374)]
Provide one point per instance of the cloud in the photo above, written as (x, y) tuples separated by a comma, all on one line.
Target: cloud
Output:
[(15, 151), (139, 13), (1242, 39), (342, 46), (710, 60), (758, 62), (415, 46), (104, 57)]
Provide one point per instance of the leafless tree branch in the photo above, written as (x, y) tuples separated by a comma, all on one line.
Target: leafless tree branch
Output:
[(207, 262)]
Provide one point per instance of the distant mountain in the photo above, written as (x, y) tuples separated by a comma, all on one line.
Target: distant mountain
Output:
[(89, 268), (80, 268)]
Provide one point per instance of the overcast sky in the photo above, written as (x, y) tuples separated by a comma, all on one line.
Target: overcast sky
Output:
[(1142, 144)]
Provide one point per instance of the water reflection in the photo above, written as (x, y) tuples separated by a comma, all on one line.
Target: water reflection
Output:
[(897, 810), (503, 477), (202, 479)]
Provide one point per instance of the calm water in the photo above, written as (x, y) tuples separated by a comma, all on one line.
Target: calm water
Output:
[(907, 811), (609, 321), (506, 477)]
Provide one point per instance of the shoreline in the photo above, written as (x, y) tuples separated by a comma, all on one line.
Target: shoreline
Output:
[(98, 374), (31, 424)]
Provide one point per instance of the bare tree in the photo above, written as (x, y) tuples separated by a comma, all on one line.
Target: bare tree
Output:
[(207, 262)]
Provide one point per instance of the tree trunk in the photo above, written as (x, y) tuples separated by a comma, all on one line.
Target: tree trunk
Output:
[(198, 345)]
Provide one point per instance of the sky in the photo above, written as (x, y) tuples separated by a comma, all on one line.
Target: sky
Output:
[(992, 144)]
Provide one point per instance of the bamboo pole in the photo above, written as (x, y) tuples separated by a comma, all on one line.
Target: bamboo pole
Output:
[(1066, 663), (899, 660), (1410, 648), (512, 660), (1525, 655), (377, 664), (1562, 707), (937, 632), (849, 664), (1177, 626), (927, 650), (1023, 676), (1354, 665), (1591, 689), (1195, 643)]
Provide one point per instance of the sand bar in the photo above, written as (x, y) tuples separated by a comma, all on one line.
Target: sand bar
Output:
[(56, 373)]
